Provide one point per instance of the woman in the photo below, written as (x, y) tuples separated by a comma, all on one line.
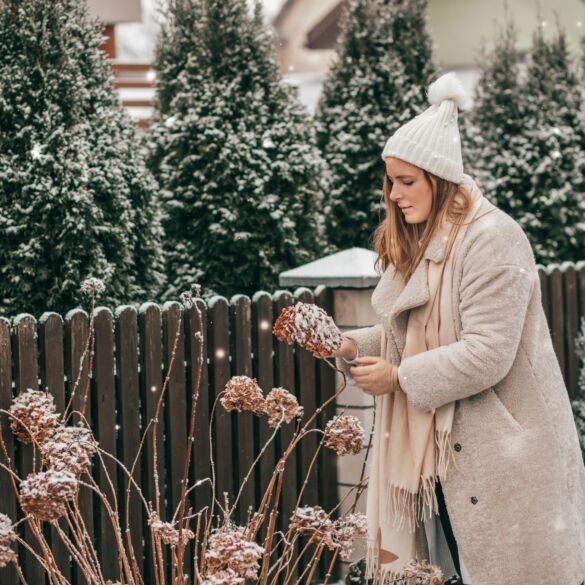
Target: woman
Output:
[(478, 382)]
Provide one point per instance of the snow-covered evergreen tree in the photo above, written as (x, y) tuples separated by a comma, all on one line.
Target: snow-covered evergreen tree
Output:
[(75, 199), (525, 142), (234, 152), (377, 83), (579, 403), (491, 130)]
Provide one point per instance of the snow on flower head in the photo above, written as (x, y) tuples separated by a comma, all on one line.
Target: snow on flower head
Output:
[(167, 531), (344, 434), (230, 550), (33, 415), (422, 573), (310, 327), (45, 494), (280, 402), (93, 286), (243, 393), (69, 449), (7, 537)]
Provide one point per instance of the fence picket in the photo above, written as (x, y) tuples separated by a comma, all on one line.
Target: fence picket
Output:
[(128, 406), (8, 502)]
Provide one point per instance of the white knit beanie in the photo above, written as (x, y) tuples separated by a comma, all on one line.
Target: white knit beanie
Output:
[(431, 140)]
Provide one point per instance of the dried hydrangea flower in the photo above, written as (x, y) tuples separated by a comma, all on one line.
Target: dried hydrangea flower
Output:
[(313, 521), (93, 286), (226, 577), (45, 493), (346, 529), (243, 393), (344, 434), (167, 531), (309, 326), (34, 413), (7, 537), (229, 548), (422, 573), (69, 448), (281, 402)]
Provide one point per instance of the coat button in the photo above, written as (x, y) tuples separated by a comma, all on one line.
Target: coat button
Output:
[(457, 447), (473, 500)]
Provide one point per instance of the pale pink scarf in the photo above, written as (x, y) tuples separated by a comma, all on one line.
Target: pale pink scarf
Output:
[(411, 448)]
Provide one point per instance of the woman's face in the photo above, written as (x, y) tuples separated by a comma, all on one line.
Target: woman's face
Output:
[(410, 190)]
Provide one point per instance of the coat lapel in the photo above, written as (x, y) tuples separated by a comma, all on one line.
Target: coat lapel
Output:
[(391, 298)]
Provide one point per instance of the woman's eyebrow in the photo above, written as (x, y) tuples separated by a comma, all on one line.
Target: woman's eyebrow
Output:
[(401, 176)]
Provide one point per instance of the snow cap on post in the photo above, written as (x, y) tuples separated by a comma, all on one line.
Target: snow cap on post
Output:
[(431, 140)]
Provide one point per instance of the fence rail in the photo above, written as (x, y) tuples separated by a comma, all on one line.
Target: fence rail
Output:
[(133, 352)]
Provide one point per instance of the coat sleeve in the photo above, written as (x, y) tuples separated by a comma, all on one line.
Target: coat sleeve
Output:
[(493, 303), (368, 341)]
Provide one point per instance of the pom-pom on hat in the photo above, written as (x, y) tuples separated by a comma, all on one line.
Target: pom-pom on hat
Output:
[(431, 140)]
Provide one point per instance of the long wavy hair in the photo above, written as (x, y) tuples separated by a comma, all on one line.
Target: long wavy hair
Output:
[(396, 241)]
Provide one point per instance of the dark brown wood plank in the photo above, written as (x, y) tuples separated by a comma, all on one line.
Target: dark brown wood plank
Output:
[(284, 368), (26, 372), (105, 429), (219, 369), (557, 315), (176, 400), (545, 292), (327, 458), (77, 372), (150, 338), (52, 370), (263, 365), (307, 390), (571, 325), (8, 501), (196, 358), (241, 350), (128, 406)]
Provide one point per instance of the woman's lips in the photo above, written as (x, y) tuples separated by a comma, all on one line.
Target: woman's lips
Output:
[(405, 209)]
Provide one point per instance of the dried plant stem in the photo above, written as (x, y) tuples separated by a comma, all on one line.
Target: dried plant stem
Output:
[(64, 416), (333, 559), (268, 540), (20, 575), (190, 440)]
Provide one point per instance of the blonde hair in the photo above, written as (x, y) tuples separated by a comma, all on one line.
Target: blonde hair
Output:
[(396, 242)]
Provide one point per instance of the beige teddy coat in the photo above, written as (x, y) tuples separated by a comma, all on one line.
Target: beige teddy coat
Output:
[(517, 504)]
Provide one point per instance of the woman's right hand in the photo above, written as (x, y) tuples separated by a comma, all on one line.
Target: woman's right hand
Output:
[(347, 350)]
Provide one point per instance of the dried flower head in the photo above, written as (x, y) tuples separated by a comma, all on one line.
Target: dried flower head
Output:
[(45, 493), (34, 415), (230, 549), (346, 529), (226, 577), (344, 434), (7, 537), (243, 393), (310, 327), (93, 286), (281, 402), (167, 531), (187, 296), (69, 449), (422, 573), (313, 521)]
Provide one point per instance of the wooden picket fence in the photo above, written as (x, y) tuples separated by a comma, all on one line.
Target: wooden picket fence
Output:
[(562, 288), (133, 349)]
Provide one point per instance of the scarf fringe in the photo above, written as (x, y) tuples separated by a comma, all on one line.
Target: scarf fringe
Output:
[(402, 504), (380, 575)]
